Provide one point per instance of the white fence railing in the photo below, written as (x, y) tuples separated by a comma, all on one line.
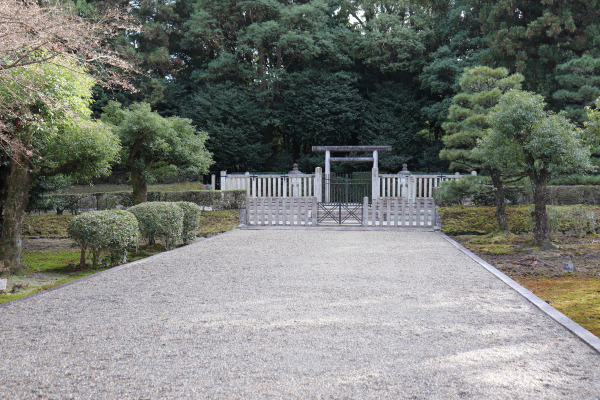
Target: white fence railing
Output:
[(281, 211), (311, 185), (400, 212), (297, 185)]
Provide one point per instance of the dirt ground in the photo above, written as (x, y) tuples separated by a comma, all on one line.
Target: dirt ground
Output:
[(517, 258)]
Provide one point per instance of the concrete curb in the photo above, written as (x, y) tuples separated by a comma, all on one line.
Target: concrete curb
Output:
[(580, 332), (106, 271)]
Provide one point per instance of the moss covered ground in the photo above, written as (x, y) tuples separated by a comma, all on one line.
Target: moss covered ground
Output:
[(544, 272)]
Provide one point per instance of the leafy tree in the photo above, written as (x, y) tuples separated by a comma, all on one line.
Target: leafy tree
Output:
[(524, 134), (50, 134), (579, 82), (481, 89), (148, 138)]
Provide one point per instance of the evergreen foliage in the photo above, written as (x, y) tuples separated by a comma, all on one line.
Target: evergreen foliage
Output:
[(107, 230)]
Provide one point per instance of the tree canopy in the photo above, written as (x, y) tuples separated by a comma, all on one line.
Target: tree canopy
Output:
[(148, 138)]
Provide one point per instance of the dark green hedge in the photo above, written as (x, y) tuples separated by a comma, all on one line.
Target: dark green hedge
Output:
[(216, 199)]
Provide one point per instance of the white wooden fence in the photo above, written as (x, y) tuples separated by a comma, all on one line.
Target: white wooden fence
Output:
[(410, 186), (297, 185), (311, 185), (281, 211), (400, 212)]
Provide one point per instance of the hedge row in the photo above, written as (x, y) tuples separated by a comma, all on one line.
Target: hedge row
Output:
[(115, 230), (216, 199)]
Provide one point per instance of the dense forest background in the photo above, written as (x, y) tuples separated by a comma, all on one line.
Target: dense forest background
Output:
[(268, 79)]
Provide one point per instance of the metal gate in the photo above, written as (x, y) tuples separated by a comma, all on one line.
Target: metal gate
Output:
[(340, 213), (347, 188), (344, 195)]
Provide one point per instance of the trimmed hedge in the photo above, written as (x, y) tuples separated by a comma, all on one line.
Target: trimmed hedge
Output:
[(108, 230), (216, 199), (191, 220), (160, 219)]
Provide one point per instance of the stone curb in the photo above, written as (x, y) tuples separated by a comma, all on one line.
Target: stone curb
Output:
[(580, 332), (106, 271), (348, 228)]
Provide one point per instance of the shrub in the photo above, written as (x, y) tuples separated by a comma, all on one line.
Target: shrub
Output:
[(576, 219), (160, 219), (475, 190), (458, 192), (109, 230), (191, 220)]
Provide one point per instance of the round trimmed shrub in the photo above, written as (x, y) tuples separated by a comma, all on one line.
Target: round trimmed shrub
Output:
[(108, 230), (191, 220), (159, 219)]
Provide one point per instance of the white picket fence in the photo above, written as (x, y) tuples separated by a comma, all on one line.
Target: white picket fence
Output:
[(281, 211)]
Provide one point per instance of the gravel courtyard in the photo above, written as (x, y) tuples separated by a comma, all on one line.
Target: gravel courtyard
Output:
[(293, 314)]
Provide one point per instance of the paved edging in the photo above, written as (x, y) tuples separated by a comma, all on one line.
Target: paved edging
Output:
[(583, 334)]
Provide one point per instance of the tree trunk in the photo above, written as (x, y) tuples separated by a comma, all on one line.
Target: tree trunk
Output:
[(501, 217), (140, 188), (18, 182), (541, 231)]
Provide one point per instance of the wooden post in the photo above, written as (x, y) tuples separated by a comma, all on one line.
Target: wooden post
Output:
[(375, 159), (319, 184), (224, 180)]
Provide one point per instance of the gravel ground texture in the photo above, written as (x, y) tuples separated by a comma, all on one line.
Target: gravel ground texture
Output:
[(293, 314)]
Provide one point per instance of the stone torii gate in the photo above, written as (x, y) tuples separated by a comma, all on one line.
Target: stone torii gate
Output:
[(348, 149)]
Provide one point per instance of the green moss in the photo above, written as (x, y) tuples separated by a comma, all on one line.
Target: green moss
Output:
[(576, 297), (215, 222), (479, 220)]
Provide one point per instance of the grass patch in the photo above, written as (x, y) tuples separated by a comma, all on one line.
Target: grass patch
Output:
[(576, 297)]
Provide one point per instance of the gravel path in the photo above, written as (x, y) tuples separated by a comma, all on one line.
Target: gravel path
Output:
[(293, 314)]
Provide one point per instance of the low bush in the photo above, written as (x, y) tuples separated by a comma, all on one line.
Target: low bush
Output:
[(579, 220), (108, 230), (475, 190), (191, 220), (159, 219)]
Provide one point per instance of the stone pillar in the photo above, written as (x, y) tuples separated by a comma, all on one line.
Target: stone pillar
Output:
[(327, 194), (319, 184), (375, 159), (224, 180), (404, 177), (247, 182), (213, 182), (365, 216), (374, 184), (474, 173)]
